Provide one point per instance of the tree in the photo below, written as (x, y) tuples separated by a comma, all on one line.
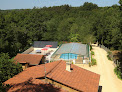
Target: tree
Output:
[(120, 2), (19, 28), (8, 68), (89, 6), (74, 37), (89, 39), (64, 29)]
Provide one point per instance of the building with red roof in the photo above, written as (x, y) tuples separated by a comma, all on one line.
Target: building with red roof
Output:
[(29, 59), (56, 73)]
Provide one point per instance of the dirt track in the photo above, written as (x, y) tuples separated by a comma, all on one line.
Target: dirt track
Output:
[(108, 80)]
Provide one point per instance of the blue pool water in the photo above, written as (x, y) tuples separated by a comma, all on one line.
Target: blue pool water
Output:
[(68, 56)]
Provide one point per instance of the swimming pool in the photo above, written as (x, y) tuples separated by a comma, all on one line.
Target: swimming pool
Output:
[(68, 56)]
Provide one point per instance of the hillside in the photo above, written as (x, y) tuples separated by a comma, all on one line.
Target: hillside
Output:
[(87, 23)]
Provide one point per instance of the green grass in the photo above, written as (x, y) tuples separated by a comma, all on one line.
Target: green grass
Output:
[(108, 57)]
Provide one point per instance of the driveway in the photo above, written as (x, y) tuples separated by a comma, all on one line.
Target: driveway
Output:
[(105, 67)]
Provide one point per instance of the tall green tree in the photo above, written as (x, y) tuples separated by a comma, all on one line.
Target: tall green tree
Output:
[(74, 38), (19, 28), (89, 6), (120, 2), (8, 68)]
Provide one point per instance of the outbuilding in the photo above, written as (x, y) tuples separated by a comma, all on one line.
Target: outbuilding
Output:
[(28, 60), (74, 52)]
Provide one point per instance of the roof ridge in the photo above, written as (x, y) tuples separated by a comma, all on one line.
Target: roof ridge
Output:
[(29, 54)]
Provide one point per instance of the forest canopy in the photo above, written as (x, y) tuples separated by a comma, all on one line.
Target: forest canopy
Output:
[(87, 23)]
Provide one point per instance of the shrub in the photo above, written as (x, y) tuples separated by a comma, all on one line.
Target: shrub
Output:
[(109, 53), (89, 64), (118, 72), (93, 62), (108, 56), (92, 53), (3, 88), (8, 68)]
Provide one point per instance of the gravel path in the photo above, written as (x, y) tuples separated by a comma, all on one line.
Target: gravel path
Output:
[(104, 67)]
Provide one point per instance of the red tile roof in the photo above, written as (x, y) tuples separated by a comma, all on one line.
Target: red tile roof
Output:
[(79, 78), (28, 58), (34, 85)]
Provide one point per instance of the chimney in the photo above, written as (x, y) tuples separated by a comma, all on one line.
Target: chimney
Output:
[(68, 66)]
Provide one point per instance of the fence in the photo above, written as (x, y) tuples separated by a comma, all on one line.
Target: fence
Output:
[(105, 48)]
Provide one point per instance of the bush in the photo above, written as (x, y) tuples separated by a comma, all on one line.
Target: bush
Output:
[(92, 53), (93, 62), (89, 64), (3, 88), (108, 56), (118, 72), (8, 68)]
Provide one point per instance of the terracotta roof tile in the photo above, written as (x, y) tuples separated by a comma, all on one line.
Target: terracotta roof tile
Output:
[(83, 81), (79, 78), (28, 58), (34, 85)]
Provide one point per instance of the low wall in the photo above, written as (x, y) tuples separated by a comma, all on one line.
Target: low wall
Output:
[(49, 49), (28, 50)]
